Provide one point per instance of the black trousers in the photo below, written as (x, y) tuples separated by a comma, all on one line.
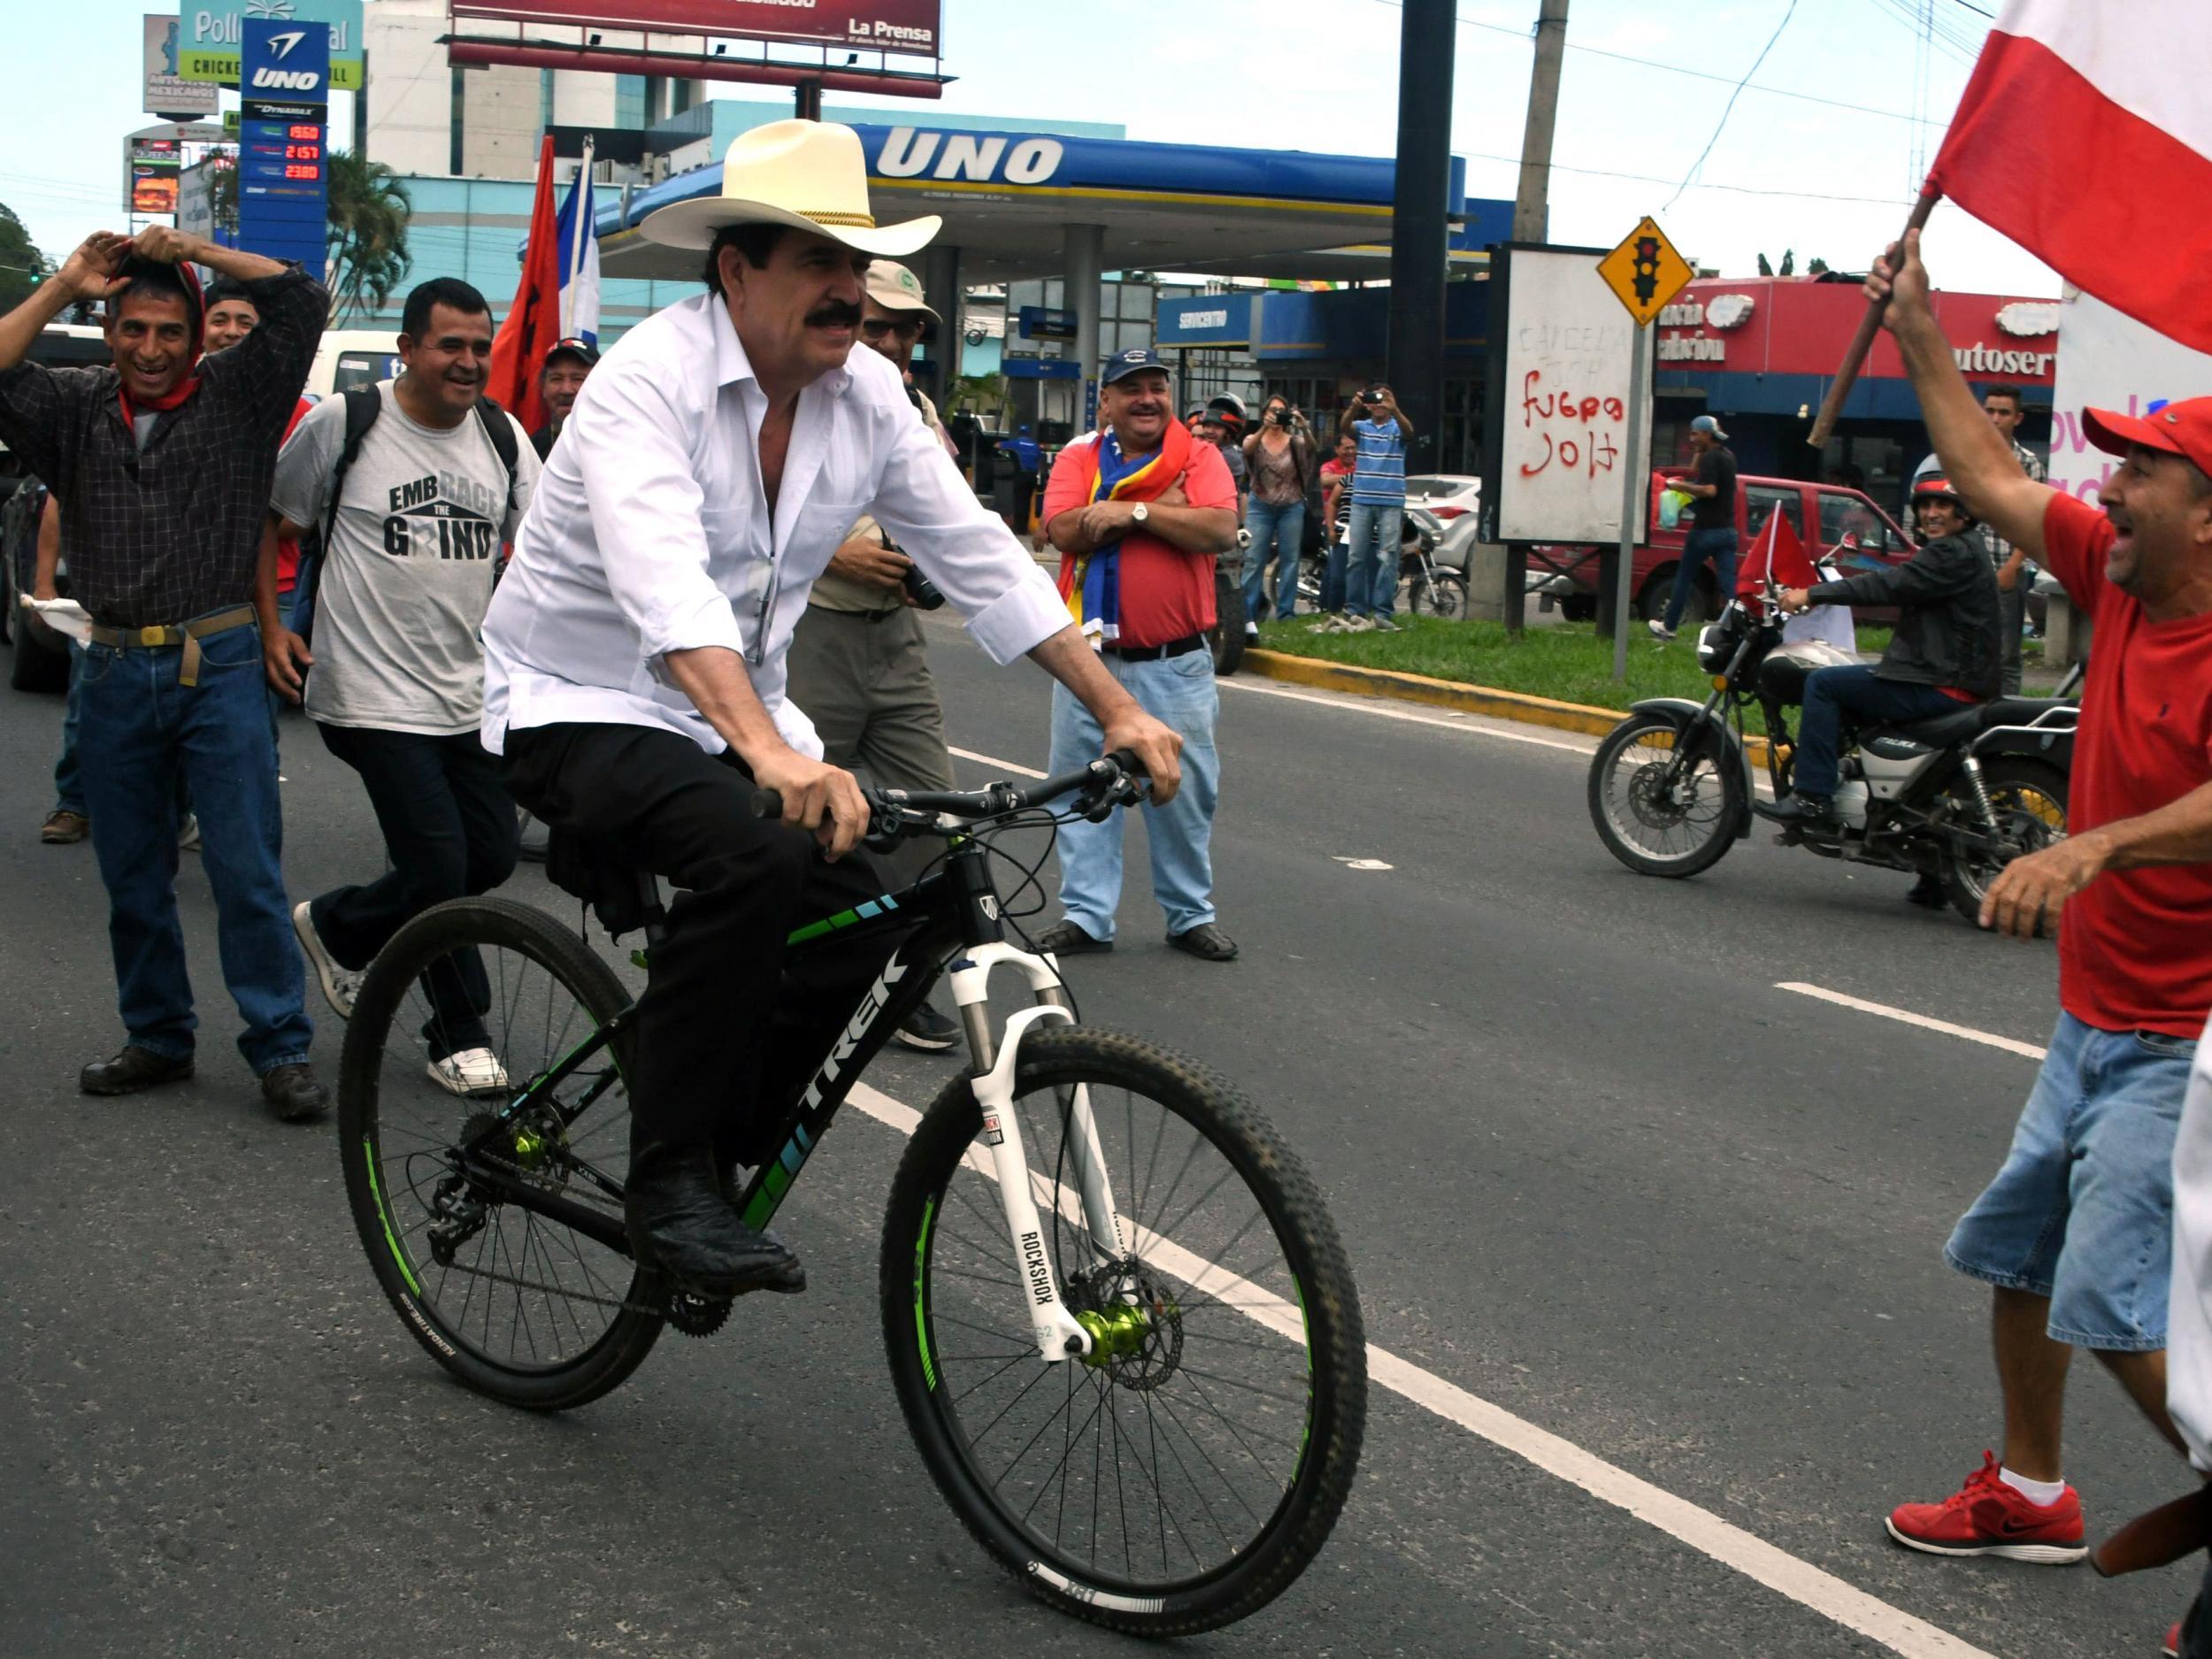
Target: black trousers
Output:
[(726, 1037), (450, 832)]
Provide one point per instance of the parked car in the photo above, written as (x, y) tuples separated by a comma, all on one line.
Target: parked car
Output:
[(1448, 496), (348, 358), (41, 659), (1833, 523)]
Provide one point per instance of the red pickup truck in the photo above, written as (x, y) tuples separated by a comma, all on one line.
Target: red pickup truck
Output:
[(1832, 522)]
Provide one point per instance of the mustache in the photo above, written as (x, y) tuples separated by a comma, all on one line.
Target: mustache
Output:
[(830, 315)]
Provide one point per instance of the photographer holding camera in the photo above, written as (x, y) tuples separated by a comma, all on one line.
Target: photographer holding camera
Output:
[(1374, 421), (1279, 462), (858, 666)]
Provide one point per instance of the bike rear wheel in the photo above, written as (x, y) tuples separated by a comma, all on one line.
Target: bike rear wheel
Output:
[(515, 1304), (1659, 824), (1184, 1473)]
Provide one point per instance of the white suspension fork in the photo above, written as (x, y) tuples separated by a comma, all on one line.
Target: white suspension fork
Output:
[(1058, 1334)]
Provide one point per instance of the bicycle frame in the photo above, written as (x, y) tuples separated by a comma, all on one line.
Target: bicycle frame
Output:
[(953, 914)]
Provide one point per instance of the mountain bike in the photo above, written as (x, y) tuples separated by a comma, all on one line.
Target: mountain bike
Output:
[(1119, 1321)]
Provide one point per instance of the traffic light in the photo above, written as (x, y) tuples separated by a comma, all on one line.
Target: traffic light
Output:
[(1645, 280)]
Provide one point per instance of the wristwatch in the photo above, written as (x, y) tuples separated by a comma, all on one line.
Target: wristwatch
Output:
[(1138, 513)]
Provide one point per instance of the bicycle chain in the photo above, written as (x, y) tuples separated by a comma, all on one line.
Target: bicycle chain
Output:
[(660, 1312)]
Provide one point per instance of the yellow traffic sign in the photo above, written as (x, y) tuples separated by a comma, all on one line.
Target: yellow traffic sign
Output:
[(1645, 271)]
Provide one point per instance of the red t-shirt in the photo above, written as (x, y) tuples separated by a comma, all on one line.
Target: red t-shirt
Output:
[(288, 549), (1166, 593), (2134, 946)]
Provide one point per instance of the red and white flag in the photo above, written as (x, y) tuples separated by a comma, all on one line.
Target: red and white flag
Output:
[(2086, 136), (534, 321), (1777, 552)]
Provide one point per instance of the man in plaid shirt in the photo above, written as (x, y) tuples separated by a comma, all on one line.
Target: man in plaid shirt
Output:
[(2015, 575), (162, 464)]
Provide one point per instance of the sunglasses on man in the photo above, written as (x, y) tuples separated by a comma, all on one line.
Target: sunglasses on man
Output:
[(876, 327)]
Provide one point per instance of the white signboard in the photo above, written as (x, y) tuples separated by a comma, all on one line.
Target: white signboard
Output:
[(168, 93), (2107, 360), (1562, 403)]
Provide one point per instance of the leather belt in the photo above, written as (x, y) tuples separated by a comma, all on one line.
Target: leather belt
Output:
[(1154, 653), (189, 634), (864, 616)]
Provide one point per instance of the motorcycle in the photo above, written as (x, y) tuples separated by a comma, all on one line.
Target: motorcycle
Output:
[(1959, 797), (1437, 589)]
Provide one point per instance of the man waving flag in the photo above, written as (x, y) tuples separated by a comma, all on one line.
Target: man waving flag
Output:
[(2083, 128)]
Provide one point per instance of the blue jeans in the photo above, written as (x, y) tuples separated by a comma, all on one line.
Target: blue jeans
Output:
[(1279, 527), (1717, 545), (1332, 578), (1372, 570), (1179, 691), (140, 730), (2082, 1211), (1833, 693)]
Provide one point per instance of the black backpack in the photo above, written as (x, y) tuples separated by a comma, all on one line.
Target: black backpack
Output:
[(364, 405)]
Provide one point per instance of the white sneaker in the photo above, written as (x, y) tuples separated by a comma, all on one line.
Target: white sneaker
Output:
[(341, 985), (1384, 625), (188, 833), (1251, 630), (471, 1071), (1660, 631)]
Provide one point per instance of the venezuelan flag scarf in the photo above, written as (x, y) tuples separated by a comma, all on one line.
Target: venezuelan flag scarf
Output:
[(1091, 582)]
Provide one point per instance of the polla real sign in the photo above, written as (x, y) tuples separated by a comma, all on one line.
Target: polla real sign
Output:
[(209, 47), (2107, 360)]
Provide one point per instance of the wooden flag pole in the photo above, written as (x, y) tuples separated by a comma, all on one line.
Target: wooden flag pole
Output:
[(1862, 342)]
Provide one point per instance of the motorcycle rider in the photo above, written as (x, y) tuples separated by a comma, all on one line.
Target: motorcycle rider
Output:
[(1944, 650)]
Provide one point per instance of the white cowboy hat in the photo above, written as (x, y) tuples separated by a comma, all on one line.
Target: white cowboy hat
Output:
[(811, 174)]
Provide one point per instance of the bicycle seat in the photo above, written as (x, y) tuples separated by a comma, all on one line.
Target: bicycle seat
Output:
[(623, 895)]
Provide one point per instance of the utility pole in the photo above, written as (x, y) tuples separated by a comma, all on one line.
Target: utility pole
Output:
[(1419, 225), (1532, 205)]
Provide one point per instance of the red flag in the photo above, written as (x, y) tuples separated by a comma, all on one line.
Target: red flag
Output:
[(2080, 135), (1777, 553), (534, 321)]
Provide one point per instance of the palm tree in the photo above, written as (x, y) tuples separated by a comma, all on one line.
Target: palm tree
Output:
[(369, 210)]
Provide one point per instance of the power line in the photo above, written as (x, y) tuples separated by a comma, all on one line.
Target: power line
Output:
[(1787, 14), (1695, 74), (1737, 189)]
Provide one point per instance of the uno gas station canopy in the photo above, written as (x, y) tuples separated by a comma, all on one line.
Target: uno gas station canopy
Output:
[(1022, 205)]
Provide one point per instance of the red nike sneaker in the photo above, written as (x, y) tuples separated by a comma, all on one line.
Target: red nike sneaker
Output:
[(1988, 1518), (2170, 1648)]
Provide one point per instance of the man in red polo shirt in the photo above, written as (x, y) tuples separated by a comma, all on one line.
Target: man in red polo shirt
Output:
[(1138, 510), (2074, 1233)]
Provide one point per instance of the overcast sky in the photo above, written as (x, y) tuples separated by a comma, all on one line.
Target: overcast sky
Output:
[(1786, 171)]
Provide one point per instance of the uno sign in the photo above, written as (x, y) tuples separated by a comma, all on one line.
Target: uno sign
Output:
[(980, 157)]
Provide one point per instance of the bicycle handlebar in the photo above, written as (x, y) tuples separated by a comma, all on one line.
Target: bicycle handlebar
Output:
[(1111, 780)]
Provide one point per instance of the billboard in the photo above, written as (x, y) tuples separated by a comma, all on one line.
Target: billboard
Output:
[(2107, 360), (167, 92), (212, 35), (281, 152), (1558, 448), (912, 26), (151, 169)]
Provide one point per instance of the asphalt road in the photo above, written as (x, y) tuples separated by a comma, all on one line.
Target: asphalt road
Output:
[(1591, 1165)]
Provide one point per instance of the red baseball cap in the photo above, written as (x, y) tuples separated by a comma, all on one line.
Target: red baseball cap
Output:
[(2184, 429)]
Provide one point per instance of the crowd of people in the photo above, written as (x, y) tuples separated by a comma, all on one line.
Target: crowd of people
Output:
[(705, 574)]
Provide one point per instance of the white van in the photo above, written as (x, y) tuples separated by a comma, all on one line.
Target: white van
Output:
[(352, 356)]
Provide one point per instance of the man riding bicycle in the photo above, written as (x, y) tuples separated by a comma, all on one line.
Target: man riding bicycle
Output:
[(634, 654)]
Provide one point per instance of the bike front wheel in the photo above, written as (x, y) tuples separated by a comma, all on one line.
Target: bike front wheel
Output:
[(1183, 1473)]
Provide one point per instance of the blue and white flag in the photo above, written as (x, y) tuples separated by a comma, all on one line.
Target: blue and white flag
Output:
[(580, 274)]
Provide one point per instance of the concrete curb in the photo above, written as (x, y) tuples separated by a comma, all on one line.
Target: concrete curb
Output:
[(1491, 701)]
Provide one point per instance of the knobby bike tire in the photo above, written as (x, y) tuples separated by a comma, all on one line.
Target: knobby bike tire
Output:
[(571, 963), (1732, 803), (1335, 1346)]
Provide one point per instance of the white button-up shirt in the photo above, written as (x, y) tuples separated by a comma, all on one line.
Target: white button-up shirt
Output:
[(650, 532)]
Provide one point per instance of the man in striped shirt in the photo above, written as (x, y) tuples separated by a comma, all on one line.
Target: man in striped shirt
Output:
[(1379, 502)]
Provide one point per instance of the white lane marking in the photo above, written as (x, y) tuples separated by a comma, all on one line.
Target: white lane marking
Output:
[(2010, 1045), (1700, 1529), (994, 762), (1401, 714)]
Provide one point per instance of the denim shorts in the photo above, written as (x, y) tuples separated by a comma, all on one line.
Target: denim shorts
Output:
[(2082, 1211)]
